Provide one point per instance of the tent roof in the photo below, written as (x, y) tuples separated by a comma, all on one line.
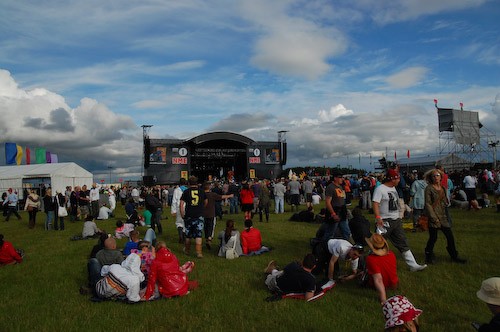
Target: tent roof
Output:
[(69, 170)]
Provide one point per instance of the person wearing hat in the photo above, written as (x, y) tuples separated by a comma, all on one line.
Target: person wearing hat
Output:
[(490, 294), (386, 209), (381, 266), (400, 313), (10, 204), (336, 208)]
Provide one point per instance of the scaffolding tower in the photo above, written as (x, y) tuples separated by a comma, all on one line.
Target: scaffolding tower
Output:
[(461, 134)]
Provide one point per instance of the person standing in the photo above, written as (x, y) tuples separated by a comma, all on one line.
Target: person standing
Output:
[(417, 192), (59, 205), (386, 209), (73, 204), (192, 203), (294, 190), (175, 208), (246, 199), (209, 218), (10, 203), (279, 196), (94, 200), (335, 203), (153, 204), (234, 190), (32, 205), (436, 202), (49, 207), (84, 202), (307, 188), (366, 196), (264, 201), (112, 199)]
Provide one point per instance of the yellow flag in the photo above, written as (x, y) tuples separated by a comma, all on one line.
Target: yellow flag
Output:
[(19, 156)]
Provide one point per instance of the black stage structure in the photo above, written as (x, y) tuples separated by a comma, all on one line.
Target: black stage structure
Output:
[(210, 156)]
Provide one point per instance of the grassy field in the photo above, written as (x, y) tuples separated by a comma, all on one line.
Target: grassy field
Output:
[(42, 293)]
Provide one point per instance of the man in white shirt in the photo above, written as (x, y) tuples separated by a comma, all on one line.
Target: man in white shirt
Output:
[(342, 250), (94, 200), (386, 210)]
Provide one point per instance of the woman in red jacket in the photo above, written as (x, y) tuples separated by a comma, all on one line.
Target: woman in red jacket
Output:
[(246, 199), (251, 240), (165, 272), (8, 255)]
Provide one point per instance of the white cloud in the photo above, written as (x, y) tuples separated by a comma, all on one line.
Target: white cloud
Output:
[(90, 132), (388, 11), (291, 45), (407, 78)]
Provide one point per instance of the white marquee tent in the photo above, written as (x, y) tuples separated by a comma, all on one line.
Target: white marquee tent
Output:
[(57, 176)]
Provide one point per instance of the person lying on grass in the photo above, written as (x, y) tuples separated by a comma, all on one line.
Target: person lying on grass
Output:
[(294, 278)]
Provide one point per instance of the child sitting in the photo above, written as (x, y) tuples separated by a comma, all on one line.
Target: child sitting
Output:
[(123, 230)]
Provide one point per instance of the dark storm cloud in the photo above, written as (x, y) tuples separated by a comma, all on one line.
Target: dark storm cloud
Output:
[(60, 120)]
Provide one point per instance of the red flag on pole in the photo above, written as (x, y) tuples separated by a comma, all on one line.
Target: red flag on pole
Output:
[(395, 157), (408, 154), (28, 156)]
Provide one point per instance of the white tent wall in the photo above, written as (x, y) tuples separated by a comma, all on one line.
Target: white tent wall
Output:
[(60, 175)]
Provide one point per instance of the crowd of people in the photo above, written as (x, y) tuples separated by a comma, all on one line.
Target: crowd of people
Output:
[(145, 269)]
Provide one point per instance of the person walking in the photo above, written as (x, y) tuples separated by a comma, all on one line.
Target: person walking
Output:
[(435, 204)]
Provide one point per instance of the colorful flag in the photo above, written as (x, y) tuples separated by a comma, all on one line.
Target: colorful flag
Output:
[(408, 154), (47, 157), (10, 153), (53, 158), (28, 156), (40, 155), (19, 155)]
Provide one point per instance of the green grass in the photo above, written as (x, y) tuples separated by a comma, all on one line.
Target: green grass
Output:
[(42, 293)]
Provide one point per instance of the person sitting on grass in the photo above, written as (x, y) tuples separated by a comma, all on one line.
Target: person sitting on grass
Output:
[(107, 256), (147, 256), (400, 315), (8, 254), (166, 278), (381, 265), (359, 226), (123, 230), (100, 244), (294, 278), (251, 240), (104, 212), (229, 238), (132, 243), (90, 230), (121, 281), (490, 294)]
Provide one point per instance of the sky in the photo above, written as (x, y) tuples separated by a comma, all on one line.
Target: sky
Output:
[(349, 80)]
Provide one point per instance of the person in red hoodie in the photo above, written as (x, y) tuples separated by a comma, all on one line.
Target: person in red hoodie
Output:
[(8, 255), (246, 199), (251, 240), (166, 273)]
